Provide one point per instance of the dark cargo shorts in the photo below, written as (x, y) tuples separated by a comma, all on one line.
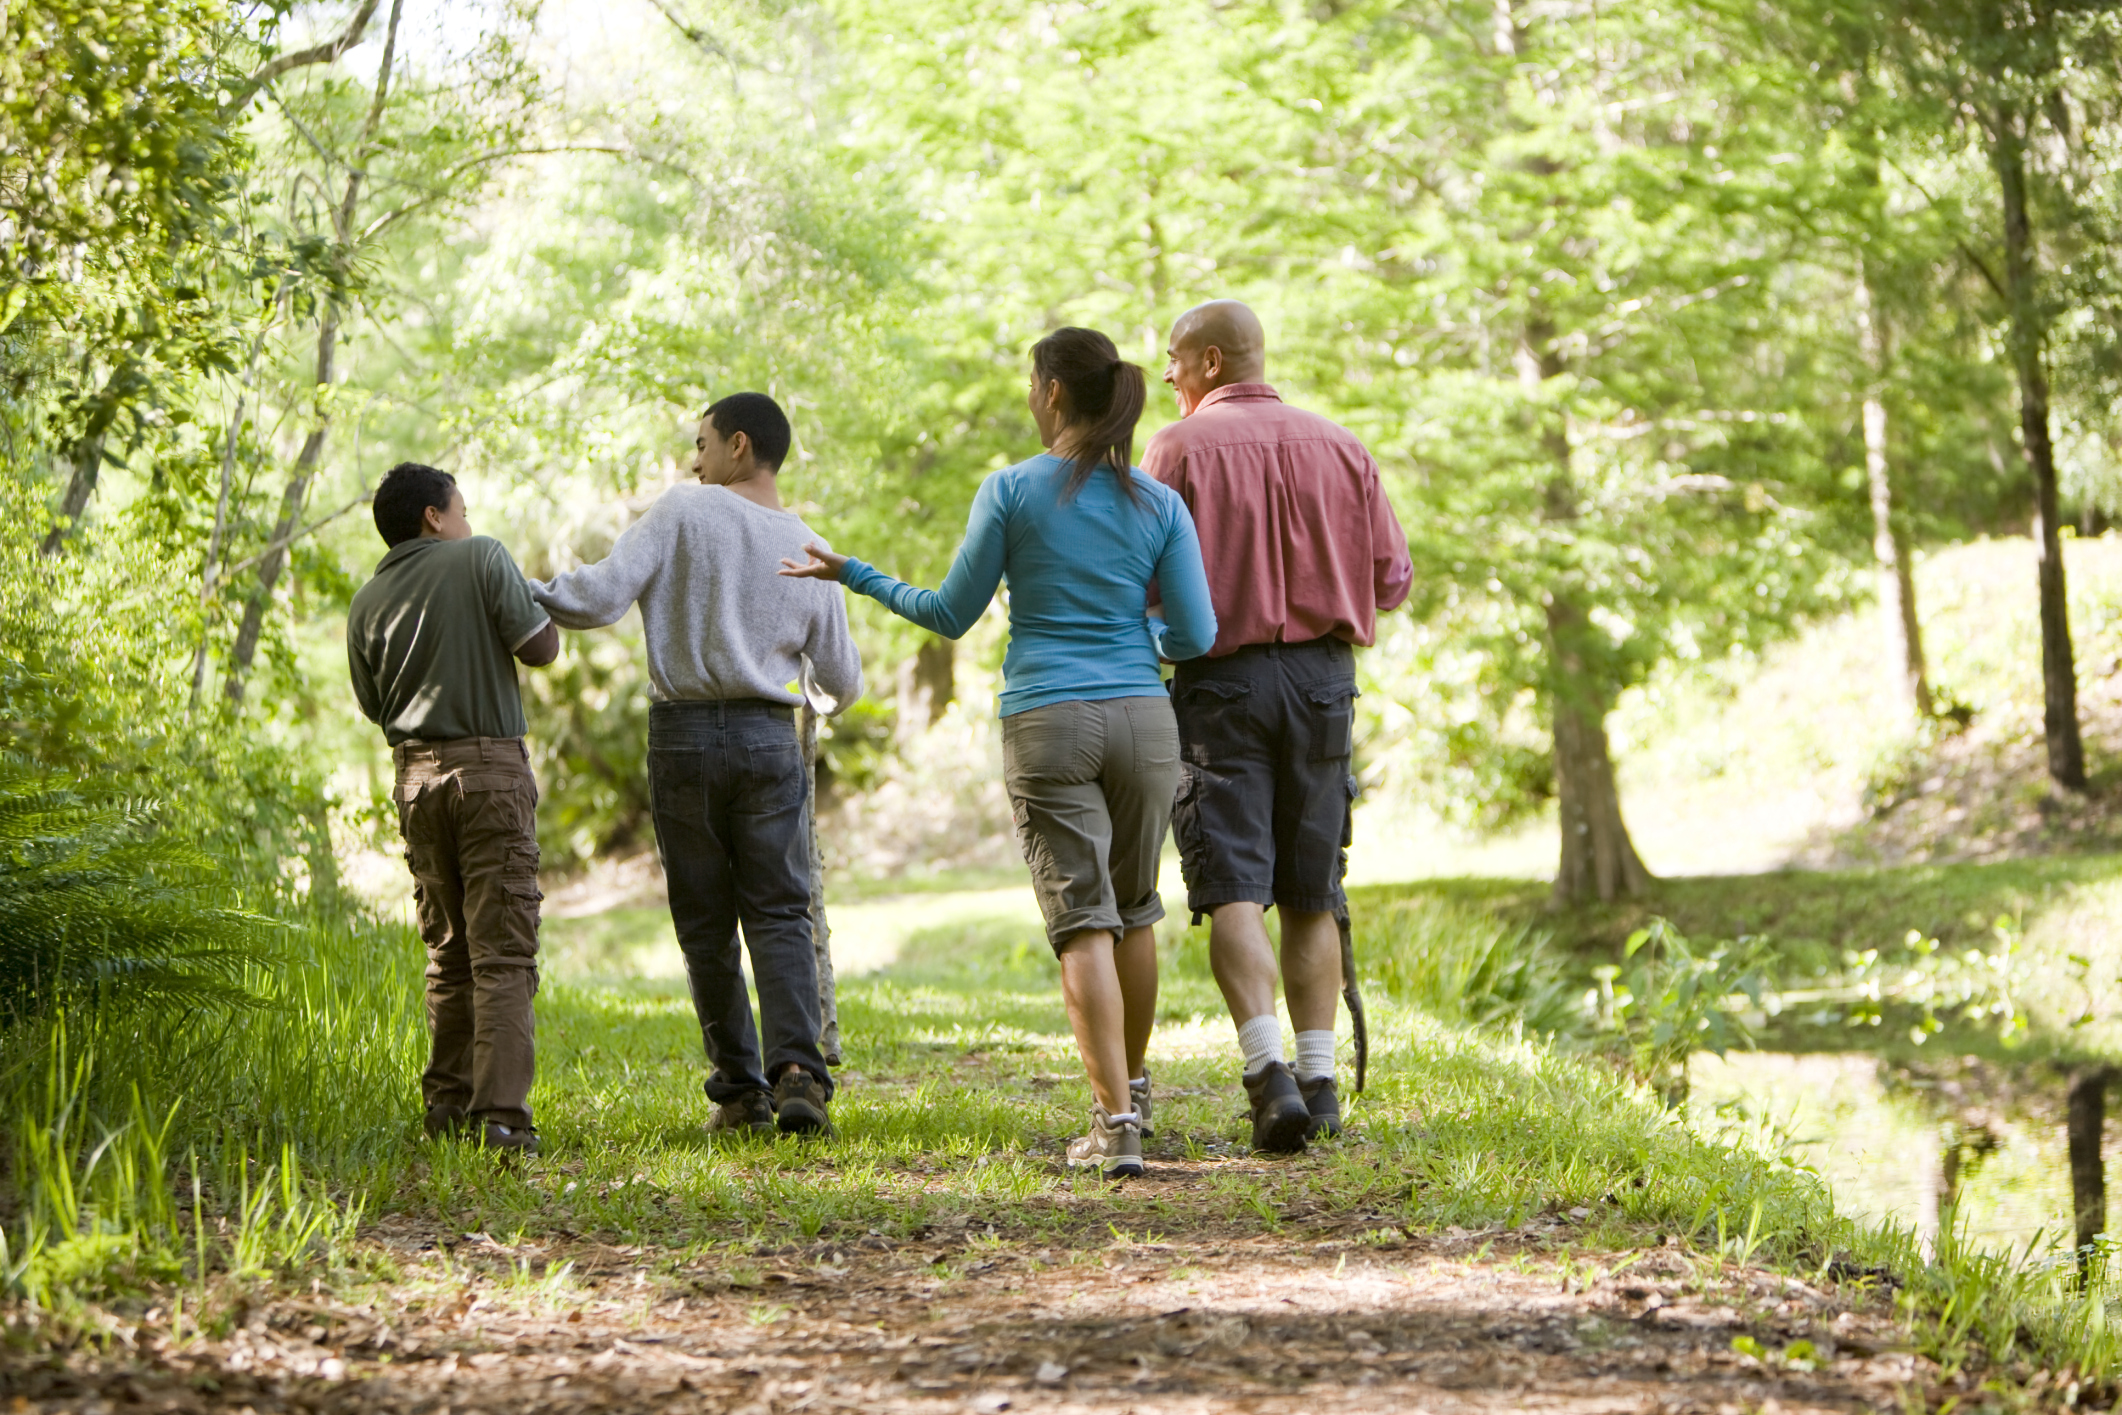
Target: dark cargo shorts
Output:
[(1263, 814)]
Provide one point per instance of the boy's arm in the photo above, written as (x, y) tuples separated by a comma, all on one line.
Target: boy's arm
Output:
[(540, 648), (835, 663), (600, 594), (365, 691), (525, 628)]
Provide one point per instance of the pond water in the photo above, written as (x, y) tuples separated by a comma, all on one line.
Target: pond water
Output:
[(1896, 1144)]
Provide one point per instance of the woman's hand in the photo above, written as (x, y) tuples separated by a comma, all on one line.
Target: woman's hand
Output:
[(822, 565)]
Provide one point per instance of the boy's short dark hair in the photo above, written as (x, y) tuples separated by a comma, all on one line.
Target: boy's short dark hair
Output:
[(403, 496), (758, 417)]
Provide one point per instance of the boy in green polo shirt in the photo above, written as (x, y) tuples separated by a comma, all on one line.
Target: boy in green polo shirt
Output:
[(432, 642)]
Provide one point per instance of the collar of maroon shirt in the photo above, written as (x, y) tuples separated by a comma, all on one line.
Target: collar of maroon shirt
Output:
[(1230, 391)]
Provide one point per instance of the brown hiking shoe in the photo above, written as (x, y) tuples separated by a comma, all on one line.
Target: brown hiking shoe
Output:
[(749, 1114), (1323, 1101), (516, 1139), (799, 1104), (1280, 1118), (1113, 1147), (1139, 1097)]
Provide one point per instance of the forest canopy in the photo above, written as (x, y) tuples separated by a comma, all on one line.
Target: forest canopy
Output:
[(1672, 329)]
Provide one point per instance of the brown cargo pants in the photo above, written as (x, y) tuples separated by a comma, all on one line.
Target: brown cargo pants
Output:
[(467, 811)]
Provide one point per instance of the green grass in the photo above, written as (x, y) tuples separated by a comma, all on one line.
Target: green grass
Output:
[(960, 1090)]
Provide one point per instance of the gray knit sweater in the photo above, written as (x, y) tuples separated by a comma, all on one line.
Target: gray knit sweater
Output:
[(720, 623)]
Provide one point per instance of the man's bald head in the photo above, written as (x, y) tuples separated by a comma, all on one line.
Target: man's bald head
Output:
[(1212, 346)]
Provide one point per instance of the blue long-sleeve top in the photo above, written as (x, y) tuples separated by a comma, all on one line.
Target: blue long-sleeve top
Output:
[(1079, 571)]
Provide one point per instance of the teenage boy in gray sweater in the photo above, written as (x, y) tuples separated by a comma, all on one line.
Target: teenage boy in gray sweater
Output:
[(729, 644)]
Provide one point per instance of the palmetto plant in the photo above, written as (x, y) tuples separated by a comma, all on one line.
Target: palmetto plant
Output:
[(96, 907)]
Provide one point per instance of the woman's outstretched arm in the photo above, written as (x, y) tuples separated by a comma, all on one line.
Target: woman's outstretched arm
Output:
[(967, 590)]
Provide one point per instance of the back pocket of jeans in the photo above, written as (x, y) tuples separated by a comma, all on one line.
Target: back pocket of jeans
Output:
[(775, 775)]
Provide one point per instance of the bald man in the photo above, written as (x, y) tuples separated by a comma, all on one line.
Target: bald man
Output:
[(1303, 552)]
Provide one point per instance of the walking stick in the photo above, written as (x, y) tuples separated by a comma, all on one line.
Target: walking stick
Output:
[(1352, 994), (821, 932)]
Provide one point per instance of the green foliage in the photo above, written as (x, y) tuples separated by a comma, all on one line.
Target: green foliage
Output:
[(1466, 965), (1668, 999), (97, 910), (100, 1211)]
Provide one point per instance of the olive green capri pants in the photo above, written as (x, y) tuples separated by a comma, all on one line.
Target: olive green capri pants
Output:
[(1091, 786)]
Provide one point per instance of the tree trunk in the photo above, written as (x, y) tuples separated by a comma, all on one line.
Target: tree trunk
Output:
[(927, 685), (211, 575), (2059, 674), (2086, 1119), (1897, 581), (87, 466), (292, 500), (245, 649), (1599, 861), (821, 932)]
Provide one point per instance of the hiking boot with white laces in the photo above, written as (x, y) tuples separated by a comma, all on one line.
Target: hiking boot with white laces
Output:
[(1113, 1147), (1323, 1101), (1138, 1096), (749, 1114), (1280, 1118)]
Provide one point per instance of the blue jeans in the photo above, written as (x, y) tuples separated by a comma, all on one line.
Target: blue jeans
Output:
[(732, 827)]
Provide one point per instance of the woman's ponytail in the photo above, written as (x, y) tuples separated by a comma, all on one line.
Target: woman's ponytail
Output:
[(1107, 394)]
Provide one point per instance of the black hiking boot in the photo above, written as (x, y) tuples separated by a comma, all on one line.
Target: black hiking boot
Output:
[(1280, 1119), (445, 1122), (514, 1139), (749, 1114), (1323, 1101), (799, 1104)]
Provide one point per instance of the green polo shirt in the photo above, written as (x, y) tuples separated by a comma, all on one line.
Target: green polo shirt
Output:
[(431, 640)]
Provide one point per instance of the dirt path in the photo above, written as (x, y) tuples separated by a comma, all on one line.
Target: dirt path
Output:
[(966, 1320)]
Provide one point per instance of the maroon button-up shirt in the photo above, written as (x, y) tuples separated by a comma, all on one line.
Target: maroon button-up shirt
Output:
[(1296, 532)]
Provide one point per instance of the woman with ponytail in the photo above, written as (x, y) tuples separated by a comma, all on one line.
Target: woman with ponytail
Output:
[(1090, 749)]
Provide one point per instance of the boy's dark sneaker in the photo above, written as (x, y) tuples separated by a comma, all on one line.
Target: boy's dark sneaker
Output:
[(445, 1122), (1280, 1118), (1138, 1096), (1113, 1147), (799, 1104), (516, 1139), (1323, 1102), (749, 1114)]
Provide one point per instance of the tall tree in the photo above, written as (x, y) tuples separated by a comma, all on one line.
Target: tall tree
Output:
[(2020, 80)]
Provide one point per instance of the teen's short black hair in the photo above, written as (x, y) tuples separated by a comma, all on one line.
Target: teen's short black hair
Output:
[(404, 495), (757, 417)]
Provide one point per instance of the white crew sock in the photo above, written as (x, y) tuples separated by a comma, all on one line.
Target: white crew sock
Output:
[(1261, 1041), (1315, 1054)]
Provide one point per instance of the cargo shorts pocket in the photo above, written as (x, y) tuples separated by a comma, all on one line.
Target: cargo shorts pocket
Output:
[(1333, 721), (1186, 821), (1037, 856)]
